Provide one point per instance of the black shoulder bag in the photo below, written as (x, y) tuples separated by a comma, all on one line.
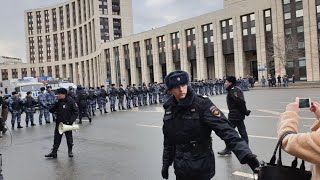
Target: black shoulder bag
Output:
[(273, 171)]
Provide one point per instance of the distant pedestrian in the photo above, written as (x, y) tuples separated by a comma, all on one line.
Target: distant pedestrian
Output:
[(279, 81)]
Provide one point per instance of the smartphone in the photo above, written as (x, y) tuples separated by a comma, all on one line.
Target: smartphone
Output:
[(304, 102)]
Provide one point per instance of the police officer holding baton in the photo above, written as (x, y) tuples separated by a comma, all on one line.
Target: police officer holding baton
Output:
[(187, 125)]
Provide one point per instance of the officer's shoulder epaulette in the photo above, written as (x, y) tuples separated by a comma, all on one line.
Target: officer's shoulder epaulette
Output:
[(202, 97)]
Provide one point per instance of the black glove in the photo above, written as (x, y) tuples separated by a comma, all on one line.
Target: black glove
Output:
[(165, 172), (248, 112), (253, 162)]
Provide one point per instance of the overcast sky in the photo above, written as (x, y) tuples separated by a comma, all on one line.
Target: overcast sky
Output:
[(146, 15)]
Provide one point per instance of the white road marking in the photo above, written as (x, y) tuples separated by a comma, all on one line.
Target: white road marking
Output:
[(253, 136), (242, 174), (151, 126), (268, 111), (263, 137)]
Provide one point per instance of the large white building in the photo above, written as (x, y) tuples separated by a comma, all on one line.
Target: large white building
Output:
[(90, 41)]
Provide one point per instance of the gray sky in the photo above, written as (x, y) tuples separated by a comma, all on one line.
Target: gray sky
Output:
[(146, 15)]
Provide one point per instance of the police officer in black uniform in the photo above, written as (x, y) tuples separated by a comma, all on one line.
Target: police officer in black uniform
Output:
[(82, 101), (188, 122), (237, 110), (67, 112)]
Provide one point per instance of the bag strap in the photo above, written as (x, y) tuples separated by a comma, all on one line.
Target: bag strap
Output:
[(294, 162), (273, 158)]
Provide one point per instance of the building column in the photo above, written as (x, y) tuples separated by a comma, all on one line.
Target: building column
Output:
[(86, 75), (19, 73), (168, 50), (95, 72), (133, 67), (144, 67), (157, 70), (67, 71), (261, 43), (80, 73), (9, 73), (113, 66), (219, 60), (91, 83), (239, 56), (185, 64), (310, 36), (123, 71), (278, 33), (202, 73)]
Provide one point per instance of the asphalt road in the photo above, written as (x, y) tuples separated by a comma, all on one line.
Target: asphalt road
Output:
[(128, 145)]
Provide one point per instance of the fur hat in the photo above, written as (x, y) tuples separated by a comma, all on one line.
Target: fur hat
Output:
[(176, 78)]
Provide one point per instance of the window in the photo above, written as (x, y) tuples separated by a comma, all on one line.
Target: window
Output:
[(253, 30), (223, 23), (318, 9), (302, 62), (224, 36), (205, 28), (268, 27), (299, 13), (287, 16), (211, 26), (300, 45), (206, 40), (173, 36), (298, 0), (290, 64), (230, 22), (178, 36), (231, 35), (300, 29), (245, 32), (267, 13), (211, 38), (244, 18), (193, 31), (288, 31), (319, 25), (189, 43), (252, 17), (188, 32), (286, 1)]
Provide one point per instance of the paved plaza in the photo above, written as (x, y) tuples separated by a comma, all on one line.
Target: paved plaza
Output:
[(128, 145)]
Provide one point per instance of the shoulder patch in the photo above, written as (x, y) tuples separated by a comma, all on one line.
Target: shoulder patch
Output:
[(215, 111), (235, 94)]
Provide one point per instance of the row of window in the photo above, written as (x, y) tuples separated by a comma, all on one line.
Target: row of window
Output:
[(84, 40), (83, 6)]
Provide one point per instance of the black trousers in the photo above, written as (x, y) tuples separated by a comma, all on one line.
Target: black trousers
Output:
[(83, 112), (58, 137), (241, 129), (193, 178)]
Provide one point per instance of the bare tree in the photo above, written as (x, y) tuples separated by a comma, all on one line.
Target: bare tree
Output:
[(285, 49)]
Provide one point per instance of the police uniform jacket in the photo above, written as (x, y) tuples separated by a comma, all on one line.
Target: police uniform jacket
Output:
[(66, 110), (236, 103), (187, 127)]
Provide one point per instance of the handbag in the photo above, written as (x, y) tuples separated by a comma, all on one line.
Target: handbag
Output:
[(276, 171)]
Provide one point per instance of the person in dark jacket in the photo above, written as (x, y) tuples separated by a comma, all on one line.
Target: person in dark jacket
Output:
[(29, 104), (237, 110), (67, 112), (3, 114), (187, 125), (15, 107), (82, 101)]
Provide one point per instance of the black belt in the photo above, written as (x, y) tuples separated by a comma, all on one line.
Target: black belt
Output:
[(195, 146)]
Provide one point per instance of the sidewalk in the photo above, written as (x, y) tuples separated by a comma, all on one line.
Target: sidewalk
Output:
[(296, 85)]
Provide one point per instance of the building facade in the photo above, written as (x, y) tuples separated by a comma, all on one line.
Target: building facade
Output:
[(91, 42)]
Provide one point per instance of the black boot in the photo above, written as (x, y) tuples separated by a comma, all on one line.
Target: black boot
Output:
[(90, 120), (105, 111), (53, 154), (12, 126), (80, 121), (224, 152), (94, 114), (123, 108), (70, 154), (19, 126), (33, 124), (4, 130)]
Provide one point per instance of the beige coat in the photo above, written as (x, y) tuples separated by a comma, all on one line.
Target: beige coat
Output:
[(302, 145)]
